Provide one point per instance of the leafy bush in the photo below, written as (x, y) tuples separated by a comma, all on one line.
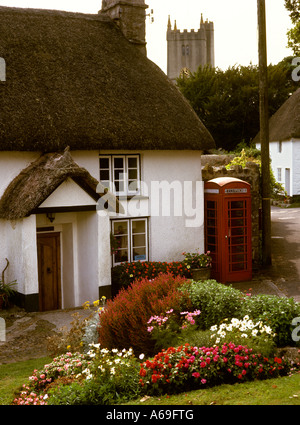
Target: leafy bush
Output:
[(186, 367), (97, 377), (124, 320), (218, 302), (170, 327), (215, 301), (256, 335), (112, 378), (277, 312), (126, 273)]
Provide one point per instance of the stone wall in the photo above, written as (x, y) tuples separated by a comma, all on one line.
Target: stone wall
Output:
[(250, 174)]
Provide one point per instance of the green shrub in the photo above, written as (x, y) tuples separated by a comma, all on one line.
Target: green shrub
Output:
[(112, 378), (215, 301), (277, 312)]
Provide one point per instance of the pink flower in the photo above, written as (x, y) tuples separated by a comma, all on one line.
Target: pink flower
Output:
[(196, 375), (203, 381), (202, 364)]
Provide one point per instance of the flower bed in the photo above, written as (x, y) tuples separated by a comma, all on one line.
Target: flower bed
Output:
[(126, 273), (186, 368)]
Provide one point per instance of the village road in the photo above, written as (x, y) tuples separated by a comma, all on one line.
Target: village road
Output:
[(285, 271)]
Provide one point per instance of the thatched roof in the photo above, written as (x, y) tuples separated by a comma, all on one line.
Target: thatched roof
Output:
[(75, 80), (36, 182), (285, 123)]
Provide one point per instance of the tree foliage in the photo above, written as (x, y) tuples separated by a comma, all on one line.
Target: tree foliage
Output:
[(293, 6), (227, 102)]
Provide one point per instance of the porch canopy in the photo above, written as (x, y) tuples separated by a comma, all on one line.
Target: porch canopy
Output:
[(29, 190)]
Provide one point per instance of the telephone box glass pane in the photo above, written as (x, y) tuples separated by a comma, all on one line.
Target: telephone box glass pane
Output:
[(237, 235)]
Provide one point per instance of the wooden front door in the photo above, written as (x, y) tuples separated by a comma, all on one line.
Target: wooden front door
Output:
[(48, 246)]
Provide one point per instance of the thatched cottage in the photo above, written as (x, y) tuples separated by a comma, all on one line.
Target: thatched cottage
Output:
[(82, 104), (284, 128)]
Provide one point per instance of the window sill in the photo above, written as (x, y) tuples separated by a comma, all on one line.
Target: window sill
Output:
[(129, 197)]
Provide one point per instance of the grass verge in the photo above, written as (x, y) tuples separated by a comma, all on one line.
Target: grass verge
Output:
[(14, 375), (280, 391)]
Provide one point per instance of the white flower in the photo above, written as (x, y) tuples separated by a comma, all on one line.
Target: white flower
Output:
[(244, 336), (141, 356), (235, 322), (254, 332), (114, 350), (112, 371)]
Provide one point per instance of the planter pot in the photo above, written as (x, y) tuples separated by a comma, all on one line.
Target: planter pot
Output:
[(201, 274)]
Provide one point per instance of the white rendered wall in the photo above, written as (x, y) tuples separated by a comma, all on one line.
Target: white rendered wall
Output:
[(18, 245), (11, 164), (296, 167), (182, 229), (68, 194)]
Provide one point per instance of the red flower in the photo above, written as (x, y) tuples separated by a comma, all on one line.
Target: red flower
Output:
[(143, 372)]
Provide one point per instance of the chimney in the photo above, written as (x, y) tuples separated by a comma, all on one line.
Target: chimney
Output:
[(130, 16)]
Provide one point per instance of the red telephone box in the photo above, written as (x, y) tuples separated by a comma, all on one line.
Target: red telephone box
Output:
[(228, 228)]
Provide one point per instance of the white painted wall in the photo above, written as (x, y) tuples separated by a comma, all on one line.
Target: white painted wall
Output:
[(18, 245), (68, 194), (11, 164), (296, 167), (287, 159), (182, 229), (86, 236)]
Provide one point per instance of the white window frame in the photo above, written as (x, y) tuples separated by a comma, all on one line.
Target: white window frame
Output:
[(279, 174), (130, 235), (125, 157), (109, 186)]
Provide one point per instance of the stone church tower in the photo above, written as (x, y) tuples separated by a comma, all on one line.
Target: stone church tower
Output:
[(189, 50), (130, 15)]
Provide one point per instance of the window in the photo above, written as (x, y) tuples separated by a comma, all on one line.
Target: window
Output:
[(187, 50), (131, 240), (183, 50), (279, 174), (120, 173), (279, 147)]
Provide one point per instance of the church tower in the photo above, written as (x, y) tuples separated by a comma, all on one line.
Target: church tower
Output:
[(189, 50), (130, 15)]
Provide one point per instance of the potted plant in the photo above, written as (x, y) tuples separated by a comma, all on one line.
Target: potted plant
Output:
[(6, 291), (199, 264)]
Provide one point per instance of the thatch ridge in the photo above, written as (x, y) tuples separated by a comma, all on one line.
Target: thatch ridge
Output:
[(36, 182), (75, 80), (285, 123)]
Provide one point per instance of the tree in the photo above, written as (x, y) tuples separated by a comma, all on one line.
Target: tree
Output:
[(293, 6), (227, 102)]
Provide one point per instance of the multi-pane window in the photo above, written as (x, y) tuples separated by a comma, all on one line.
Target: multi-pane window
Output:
[(279, 174), (120, 173), (130, 240)]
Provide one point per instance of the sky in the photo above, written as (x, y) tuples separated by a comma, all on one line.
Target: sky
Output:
[(235, 23)]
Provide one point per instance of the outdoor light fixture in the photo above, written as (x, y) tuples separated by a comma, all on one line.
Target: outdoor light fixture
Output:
[(51, 217)]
